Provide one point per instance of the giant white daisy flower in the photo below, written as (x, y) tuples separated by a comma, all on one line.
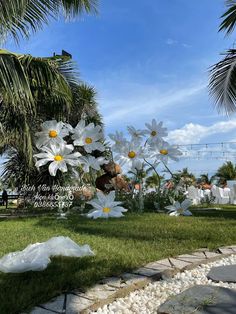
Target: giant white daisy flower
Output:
[(92, 162), (136, 133), (155, 131), (52, 132), (118, 139), (58, 156), (79, 129), (130, 153), (89, 138), (105, 206), (164, 151), (178, 209)]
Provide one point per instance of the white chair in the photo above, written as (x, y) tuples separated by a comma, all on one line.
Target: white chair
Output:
[(222, 198), (200, 193), (226, 192), (232, 194), (214, 194), (193, 195)]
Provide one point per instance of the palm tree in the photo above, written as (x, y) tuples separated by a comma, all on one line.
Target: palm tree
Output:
[(21, 17), (227, 171), (29, 87), (222, 83), (18, 169), (153, 181), (26, 81), (36, 89)]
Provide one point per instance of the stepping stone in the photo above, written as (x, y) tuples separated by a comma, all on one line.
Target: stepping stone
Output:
[(179, 264), (223, 273), (76, 304), (227, 251), (213, 255), (100, 292), (158, 266), (149, 272), (201, 300), (190, 258), (38, 310), (113, 282), (53, 306), (200, 255)]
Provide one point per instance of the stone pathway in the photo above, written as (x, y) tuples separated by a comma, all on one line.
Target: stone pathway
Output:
[(109, 289), (201, 300)]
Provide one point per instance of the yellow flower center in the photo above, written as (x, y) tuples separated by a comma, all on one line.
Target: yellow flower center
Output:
[(88, 140), (52, 133), (164, 151), (131, 154), (106, 210), (153, 133), (58, 158)]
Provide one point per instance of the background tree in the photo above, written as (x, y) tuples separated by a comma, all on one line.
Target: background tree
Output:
[(153, 181), (222, 83), (227, 171), (19, 18), (33, 90)]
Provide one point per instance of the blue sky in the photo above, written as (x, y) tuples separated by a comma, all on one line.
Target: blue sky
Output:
[(148, 59)]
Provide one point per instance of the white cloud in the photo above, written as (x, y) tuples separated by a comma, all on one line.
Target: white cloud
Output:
[(193, 133), (171, 41), (186, 45), (145, 102)]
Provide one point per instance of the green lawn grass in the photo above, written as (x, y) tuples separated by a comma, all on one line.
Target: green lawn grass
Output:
[(120, 245)]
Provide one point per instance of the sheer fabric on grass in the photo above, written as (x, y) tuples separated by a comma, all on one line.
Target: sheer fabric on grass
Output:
[(36, 257)]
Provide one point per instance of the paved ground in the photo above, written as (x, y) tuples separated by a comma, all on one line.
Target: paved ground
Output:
[(110, 289)]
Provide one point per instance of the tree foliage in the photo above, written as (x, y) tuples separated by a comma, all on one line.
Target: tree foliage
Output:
[(19, 18), (222, 85), (227, 171)]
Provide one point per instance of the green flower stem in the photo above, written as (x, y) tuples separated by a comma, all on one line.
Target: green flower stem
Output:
[(159, 181), (171, 173), (141, 202)]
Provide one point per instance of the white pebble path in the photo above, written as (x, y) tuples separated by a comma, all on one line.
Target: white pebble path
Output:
[(148, 300)]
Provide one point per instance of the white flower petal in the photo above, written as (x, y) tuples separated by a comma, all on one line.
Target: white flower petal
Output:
[(53, 167)]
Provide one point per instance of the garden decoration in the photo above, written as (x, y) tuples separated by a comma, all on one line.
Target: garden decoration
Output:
[(178, 209), (111, 179), (63, 148), (36, 257), (146, 147), (105, 206)]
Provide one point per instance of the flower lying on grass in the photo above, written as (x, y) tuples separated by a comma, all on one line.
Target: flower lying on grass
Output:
[(52, 132), (58, 156), (105, 206), (178, 209)]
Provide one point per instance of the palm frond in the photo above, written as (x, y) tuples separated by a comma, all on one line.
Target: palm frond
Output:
[(229, 17), (222, 83), (24, 79), (20, 17)]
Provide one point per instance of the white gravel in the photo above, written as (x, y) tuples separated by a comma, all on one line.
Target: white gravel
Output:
[(147, 300)]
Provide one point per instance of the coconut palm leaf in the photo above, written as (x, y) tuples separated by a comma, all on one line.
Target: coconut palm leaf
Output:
[(222, 83), (227, 171), (229, 17), (20, 17), (24, 79)]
